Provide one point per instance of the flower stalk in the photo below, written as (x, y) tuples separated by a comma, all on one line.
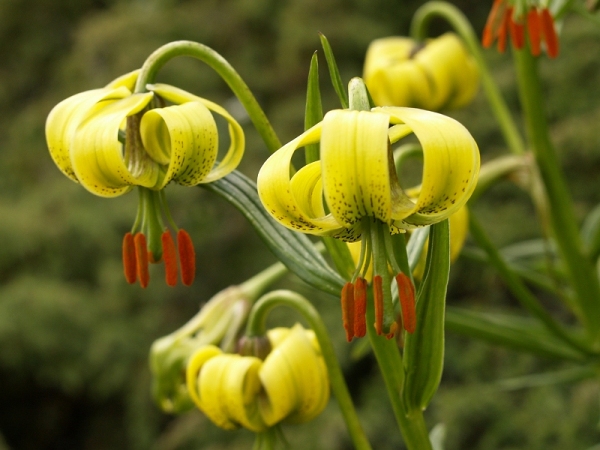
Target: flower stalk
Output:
[(220, 65), (257, 327), (463, 28), (562, 214)]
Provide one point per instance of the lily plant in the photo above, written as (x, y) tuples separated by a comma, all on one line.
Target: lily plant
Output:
[(388, 242)]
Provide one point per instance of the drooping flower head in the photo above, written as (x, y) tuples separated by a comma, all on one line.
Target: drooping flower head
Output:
[(437, 74), (291, 384), (110, 140), (516, 17), (353, 193)]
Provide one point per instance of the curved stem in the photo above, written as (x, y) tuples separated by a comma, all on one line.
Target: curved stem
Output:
[(220, 65), (413, 428), (562, 215), (257, 327), (461, 25)]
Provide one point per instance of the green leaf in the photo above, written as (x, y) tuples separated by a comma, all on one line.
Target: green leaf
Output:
[(314, 109), (570, 375), (336, 79), (293, 249), (512, 331), (424, 349)]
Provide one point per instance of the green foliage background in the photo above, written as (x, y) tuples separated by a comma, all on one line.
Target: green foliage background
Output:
[(74, 336)]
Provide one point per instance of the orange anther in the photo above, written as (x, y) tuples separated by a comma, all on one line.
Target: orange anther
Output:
[(187, 257), (492, 24), (378, 300), (517, 32), (348, 310), (360, 307), (533, 29), (503, 30), (406, 293), (129, 260), (549, 32), (141, 256), (170, 257)]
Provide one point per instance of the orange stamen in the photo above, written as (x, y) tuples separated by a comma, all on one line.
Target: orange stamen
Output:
[(187, 257), (533, 28), (549, 32), (170, 257), (406, 293), (129, 263), (378, 298), (502, 31), (348, 310), (360, 307), (489, 32), (141, 256), (517, 32)]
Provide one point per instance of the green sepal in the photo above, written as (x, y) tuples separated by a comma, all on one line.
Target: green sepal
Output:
[(511, 331), (336, 79), (293, 249), (424, 349), (314, 109)]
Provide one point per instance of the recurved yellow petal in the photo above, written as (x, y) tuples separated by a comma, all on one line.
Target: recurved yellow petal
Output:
[(97, 155), (354, 157), (237, 140), (128, 80), (295, 379), (194, 366), (65, 117), (450, 165), (183, 138), (290, 207)]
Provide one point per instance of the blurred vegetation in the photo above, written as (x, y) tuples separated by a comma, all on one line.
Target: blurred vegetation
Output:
[(74, 336)]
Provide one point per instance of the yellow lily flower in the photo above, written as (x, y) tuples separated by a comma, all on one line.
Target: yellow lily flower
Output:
[(161, 144), (291, 384), (353, 192), (438, 74)]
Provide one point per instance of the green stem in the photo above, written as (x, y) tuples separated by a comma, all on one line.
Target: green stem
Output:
[(251, 289), (259, 283), (413, 428), (220, 65), (257, 327), (463, 28), (562, 215), (519, 290)]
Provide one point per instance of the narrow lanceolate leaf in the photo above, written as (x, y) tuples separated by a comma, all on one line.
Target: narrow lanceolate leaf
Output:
[(336, 79), (424, 349), (293, 249), (516, 332), (314, 109)]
